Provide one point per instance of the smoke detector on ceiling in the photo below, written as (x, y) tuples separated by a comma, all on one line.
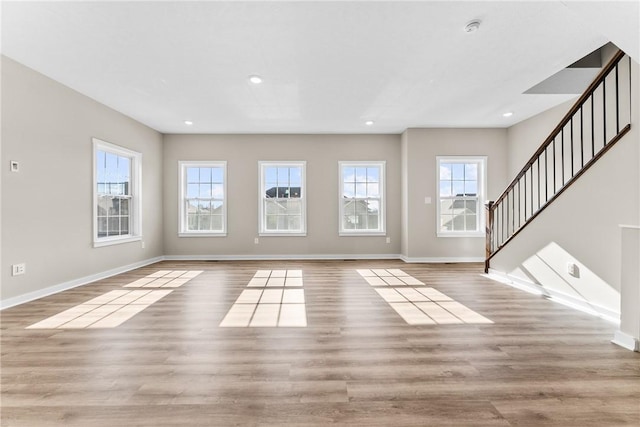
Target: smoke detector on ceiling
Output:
[(472, 26)]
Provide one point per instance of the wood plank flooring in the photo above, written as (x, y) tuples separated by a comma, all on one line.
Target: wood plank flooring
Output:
[(357, 362)]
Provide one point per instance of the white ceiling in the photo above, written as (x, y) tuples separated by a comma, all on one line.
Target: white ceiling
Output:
[(327, 66)]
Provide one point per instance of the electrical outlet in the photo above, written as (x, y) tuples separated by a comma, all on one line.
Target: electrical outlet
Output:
[(142, 244), (18, 269), (15, 166), (388, 239), (256, 241)]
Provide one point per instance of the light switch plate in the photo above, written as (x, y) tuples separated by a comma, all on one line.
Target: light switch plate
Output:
[(15, 166)]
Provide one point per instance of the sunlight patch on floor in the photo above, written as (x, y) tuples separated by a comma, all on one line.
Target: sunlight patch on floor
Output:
[(272, 306), (276, 278), (165, 279), (105, 311), (390, 277), (418, 305)]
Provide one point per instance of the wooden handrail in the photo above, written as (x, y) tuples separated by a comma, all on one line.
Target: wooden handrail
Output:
[(570, 182), (502, 225), (565, 120), (489, 235)]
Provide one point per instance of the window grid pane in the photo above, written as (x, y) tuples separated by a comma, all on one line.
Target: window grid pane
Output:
[(283, 214), (458, 191), (361, 198), (204, 199), (282, 193), (113, 189)]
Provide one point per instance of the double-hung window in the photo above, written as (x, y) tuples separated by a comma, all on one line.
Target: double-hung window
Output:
[(282, 199), (362, 203), (461, 194), (203, 207), (116, 191)]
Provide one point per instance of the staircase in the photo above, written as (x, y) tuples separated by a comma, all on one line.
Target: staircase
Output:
[(598, 119)]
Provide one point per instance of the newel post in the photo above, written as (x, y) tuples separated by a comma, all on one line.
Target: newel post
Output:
[(489, 235)]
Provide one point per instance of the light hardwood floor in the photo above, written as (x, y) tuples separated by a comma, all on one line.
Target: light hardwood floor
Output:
[(357, 362)]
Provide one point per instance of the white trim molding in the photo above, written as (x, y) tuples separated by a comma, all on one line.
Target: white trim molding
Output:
[(480, 197), (183, 165), (51, 290), (441, 260), (626, 341), (32, 296), (279, 257), (629, 288), (434, 260), (134, 194), (381, 166), (559, 297), (263, 230)]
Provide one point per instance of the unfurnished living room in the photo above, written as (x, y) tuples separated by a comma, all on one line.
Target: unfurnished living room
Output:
[(311, 213)]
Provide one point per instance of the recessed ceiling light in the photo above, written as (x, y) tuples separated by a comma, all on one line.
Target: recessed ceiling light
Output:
[(188, 122), (256, 80), (369, 123), (507, 114), (472, 26)]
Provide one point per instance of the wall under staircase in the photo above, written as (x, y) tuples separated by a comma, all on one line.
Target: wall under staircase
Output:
[(581, 227)]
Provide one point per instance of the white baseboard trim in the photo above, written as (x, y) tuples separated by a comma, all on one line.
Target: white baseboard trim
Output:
[(562, 298), (31, 296), (626, 341), (279, 257), (441, 260), (321, 257)]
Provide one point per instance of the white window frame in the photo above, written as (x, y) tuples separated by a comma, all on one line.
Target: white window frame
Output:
[(182, 217), (382, 226), (135, 205), (262, 228), (482, 192)]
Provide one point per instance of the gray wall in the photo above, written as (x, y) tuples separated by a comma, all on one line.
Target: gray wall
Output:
[(527, 136), (419, 150), (242, 153), (582, 225), (47, 206)]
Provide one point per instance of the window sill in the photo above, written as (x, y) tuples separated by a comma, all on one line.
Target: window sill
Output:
[(115, 241), (263, 234), (362, 233), (460, 234), (202, 234)]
